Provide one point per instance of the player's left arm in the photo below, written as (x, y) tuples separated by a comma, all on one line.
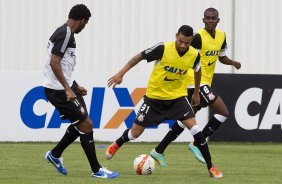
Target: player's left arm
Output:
[(227, 61), (224, 59)]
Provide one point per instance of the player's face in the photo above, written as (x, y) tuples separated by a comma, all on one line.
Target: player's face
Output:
[(210, 19), (182, 42), (81, 26)]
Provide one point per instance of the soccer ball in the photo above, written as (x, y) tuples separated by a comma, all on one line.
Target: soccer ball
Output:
[(144, 164)]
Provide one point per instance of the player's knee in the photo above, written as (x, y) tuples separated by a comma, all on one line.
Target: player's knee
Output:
[(134, 134), (224, 113), (189, 123), (86, 125), (221, 118), (136, 131)]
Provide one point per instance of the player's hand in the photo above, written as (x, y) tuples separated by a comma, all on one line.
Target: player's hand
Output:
[(82, 90), (237, 65), (71, 96), (195, 101), (114, 80)]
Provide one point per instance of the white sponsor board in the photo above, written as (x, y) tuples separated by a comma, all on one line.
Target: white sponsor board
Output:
[(27, 116)]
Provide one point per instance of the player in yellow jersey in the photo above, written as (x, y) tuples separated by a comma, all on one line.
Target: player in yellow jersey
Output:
[(166, 96), (211, 44)]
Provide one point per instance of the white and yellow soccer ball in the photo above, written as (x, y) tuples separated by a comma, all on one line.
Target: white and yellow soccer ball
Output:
[(144, 164)]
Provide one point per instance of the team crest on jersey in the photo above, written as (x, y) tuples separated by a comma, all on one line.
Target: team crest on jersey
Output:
[(140, 117), (211, 96), (82, 110)]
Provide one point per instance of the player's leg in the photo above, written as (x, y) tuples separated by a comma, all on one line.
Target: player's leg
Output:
[(147, 115), (221, 114), (57, 98), (207, 97), (53, 156), (199, 138), (87, 143), (158, 152), (173, 133), (128, 134), (202, 144), (85, 128), (213, 124)]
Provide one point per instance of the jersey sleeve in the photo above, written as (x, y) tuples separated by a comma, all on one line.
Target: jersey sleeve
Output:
[(154, 53), (197, 64), (223, 48), (197, 42), (61, 42)]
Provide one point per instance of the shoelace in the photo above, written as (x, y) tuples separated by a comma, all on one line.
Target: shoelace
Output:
[(105, 170)]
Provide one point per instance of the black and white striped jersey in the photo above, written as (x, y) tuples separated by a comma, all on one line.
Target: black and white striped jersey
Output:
[(62, 44)]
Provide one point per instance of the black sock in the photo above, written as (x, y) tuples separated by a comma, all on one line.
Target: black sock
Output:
[(202, 144), (175, 131), (69, 137), (123, 139), (87, 143), (211, 127)]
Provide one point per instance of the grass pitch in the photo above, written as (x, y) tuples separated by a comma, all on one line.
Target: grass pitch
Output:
[(240, 163)]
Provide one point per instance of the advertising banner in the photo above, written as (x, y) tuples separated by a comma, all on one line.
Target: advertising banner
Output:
[(254, 103), (26, 114)]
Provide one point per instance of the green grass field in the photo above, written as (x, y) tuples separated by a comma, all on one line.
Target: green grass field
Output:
[(242, 163)]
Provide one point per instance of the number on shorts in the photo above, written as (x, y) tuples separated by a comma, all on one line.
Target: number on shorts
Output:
[(145, 108)]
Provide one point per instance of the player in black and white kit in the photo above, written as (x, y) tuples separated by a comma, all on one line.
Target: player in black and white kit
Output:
[(66, 95)]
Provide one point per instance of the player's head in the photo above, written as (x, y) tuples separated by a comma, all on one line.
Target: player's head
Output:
[(184, 37), (211, 19), (81, 14)]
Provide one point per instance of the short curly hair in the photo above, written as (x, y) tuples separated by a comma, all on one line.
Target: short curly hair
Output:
[(79, 12), (186, 30), (212, 10)]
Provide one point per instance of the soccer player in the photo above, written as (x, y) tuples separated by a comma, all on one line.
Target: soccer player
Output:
[(166, 96), (66, 95), (211, 44)]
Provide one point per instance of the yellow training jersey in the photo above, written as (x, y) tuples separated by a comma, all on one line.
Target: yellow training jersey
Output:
[(168, 79), (209, 54)]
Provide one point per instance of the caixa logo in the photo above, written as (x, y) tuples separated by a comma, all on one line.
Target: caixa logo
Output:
[(252, 112), (125, 113)]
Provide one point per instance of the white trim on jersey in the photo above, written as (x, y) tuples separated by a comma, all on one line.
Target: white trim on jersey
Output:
[(153, 48), (223, 51), (66, 41), (197, 67)]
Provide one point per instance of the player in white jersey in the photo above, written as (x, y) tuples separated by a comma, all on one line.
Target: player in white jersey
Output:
[(66, 95)]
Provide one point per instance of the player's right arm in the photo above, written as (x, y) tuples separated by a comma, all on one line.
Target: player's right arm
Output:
[(117, 78), (150, 54), (55, 64), (61, 39)]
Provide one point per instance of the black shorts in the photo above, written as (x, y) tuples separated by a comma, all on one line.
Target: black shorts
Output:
[(74, 111), (154, 112), (207, 96)]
